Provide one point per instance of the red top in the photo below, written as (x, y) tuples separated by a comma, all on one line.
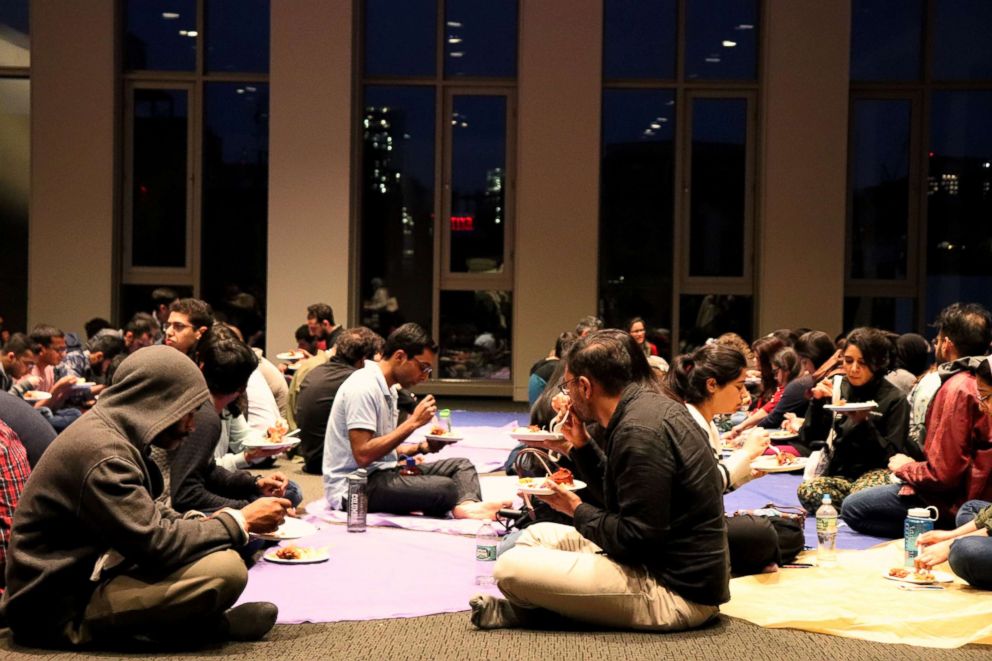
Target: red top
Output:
[(14, 470)]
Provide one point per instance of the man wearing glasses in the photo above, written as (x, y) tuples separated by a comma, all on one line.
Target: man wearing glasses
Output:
[(189, 319), (362, 432)]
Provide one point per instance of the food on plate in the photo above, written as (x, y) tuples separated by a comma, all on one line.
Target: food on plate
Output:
[(531, 482), (562, 476), (438, 430), (920, 574), (293, 552), (276, 432), (784, 458)]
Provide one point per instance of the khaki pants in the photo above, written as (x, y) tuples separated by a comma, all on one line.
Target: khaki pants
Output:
[(188, 603), (553, 567)]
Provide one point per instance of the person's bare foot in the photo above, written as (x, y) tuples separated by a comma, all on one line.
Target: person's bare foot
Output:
[(473, 509), (489, 612)]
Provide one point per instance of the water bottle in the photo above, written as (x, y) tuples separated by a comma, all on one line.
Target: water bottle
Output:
[(358, 500), (486, 542), (444, 416), (826, 533), (918, 521)]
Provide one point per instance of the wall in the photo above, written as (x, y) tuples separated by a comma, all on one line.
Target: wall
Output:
[(71, 239), (557, 222), (803, 165), (310, 164)]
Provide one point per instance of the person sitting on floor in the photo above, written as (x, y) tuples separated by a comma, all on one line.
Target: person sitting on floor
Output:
[(14, 471), (967, 548), (862, 442), (17, 360), (50, 376), (710, 381), (189, 318), (93, 559), (353, 347), (957, 449), (141, 331), (362, 433), (655, 555)]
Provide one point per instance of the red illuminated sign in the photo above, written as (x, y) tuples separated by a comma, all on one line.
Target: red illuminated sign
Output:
[(462, 223)]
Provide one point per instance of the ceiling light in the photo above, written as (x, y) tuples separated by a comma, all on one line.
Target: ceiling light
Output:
[(729, 44), (169, 15)]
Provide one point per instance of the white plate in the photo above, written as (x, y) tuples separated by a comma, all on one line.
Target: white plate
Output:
[(536, 436), (852, 406), (290, 356), (267, 445), (782, 435), (291, 528), (36, 395), (769, 464), (443, 438), (318, 555), (79, 385), (542, 491), (938, 577)]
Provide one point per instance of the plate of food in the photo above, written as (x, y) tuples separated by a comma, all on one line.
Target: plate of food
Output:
[(442, 435), (297, 555), (781, 435), (534, 434), (291, 528), (291, 356), (535, 485), (848, 407), (83, 385), (782, 462), (36, 395), (918, 576), (276, 437)]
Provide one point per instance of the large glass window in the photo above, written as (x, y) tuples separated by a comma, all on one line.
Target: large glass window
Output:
[(15, 133), (895, 314), (639, 39), (962, 48), (237, 35), (480, 38), (721, 39), (886, 39), (475, 335), (400, 38), (160, 35), (15, 37)]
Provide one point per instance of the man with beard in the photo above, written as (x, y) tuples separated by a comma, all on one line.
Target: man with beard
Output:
[(320, 321), (655, 555), (189, 319), (94, 559)]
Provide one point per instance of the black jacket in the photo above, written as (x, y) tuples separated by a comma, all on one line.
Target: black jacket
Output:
[(313, 408), (663, 508)]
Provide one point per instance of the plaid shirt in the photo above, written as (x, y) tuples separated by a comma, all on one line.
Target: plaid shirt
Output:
[(14, 470)]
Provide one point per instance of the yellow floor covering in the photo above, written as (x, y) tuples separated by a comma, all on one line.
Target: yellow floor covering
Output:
[(854, 600)]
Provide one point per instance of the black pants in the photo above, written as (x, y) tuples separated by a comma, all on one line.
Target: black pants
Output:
[(753, 544), (443, 485)]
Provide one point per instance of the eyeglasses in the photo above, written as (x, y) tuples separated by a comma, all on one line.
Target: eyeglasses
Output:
[(563, 386), (984, 399), (178, 326), (425, 368)]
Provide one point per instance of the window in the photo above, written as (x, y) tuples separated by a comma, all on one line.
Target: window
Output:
[(436, 208), (196, 149), (676, 211)]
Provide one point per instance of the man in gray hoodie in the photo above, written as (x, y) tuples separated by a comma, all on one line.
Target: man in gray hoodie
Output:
[(94, 559)]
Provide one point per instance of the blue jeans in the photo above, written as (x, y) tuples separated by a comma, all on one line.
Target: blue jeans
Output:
[(971, 557), (969, 511), (878, 511), (293, 493)]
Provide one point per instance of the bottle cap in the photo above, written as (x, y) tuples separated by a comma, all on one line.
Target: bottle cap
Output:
[(919, 512), (826, 498), (444, 413)]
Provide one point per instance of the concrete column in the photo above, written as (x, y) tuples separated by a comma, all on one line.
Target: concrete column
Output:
[(71, 248), (310, 131), (557, 208), (803, 183)]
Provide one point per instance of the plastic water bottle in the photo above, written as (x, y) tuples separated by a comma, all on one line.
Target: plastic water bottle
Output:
[(918, 521), (358, 500), (486, 541), (444, 416), (826, 533)]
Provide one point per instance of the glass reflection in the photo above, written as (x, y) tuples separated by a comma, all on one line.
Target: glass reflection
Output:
[(639, 39), (478, 171), (235, 190), (961, 45), (480, 38), (894, 314), (886, 39), (397, 241), (237, 35), (475, 335), (160, 174), (15, 33), (719, 175), (160, 35), (636, 206), (400, 37), (880, 223), (703, 317), (721, 39), (15, 145)]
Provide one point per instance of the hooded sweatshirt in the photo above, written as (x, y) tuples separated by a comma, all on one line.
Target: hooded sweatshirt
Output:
[(92, 492)]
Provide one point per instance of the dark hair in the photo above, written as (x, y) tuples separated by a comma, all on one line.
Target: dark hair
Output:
[(110, 344), (141, 323), (816, 347), (689, 372), (787, 359), (302, 333), (984, 371), (788, 336), (43, 334), (968, 326), (875, 348), (18, 344), (226, 361), (411, 338), (764, 348), (588, 324), (355, 344), (608, 358), (95, 325), (564, 343), (108, 377), (163, 296), (199, 312), (634, 320), (912, 353), (322, 312)]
